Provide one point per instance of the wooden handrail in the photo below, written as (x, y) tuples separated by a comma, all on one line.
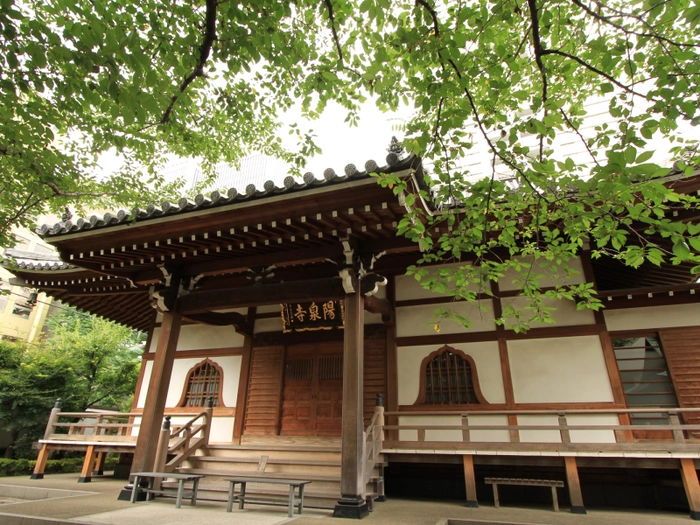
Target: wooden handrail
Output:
[(191, 438), (372, 443), (681, 433), (555, 412)]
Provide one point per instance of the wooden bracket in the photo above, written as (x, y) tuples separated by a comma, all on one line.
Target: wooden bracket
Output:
[(238, 321)]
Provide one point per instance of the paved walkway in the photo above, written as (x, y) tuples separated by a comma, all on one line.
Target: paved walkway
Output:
[(64, 501)]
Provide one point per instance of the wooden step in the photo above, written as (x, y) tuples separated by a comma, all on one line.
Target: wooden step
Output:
[(278, 447), (254, 460)]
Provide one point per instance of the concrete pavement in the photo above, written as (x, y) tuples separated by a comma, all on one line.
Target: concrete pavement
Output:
[(63, 500)]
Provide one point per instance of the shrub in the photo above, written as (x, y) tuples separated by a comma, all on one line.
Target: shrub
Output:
[(24, 467)]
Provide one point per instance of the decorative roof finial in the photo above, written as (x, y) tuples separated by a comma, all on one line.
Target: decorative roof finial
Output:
[(67, 215), (395, 147)]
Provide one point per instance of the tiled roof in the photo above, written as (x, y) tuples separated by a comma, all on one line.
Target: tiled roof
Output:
[(27, 260), (24, 265), (216, 199)]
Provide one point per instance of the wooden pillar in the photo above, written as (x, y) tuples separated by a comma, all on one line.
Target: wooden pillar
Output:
[(88, 463), (574, 485), (99, 468), (691, 486), (392, 362), (352, 503), (149, 430), (244, 379), (40, 463), (470, 480)]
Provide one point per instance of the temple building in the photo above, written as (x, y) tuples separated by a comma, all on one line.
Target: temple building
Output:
[(290, 309)]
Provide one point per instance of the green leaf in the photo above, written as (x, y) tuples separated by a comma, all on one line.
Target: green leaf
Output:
[(681, 250)]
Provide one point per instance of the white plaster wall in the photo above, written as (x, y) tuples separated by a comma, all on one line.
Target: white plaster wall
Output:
[(230, 365), (653, 317), (564, 315), (475, 436), (559, 370), (539, 436), (141, 402), (486, 359), (592, 436), (408, 288), (420, 320), (432, 435), (576, 436), (489, 436), (269, 325), (201, 337), (511, 279), (221, 428)]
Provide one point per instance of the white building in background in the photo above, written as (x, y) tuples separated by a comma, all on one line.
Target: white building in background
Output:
[(23, 310)]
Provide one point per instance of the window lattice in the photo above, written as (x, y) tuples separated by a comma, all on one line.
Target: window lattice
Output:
[(449, 381), (204, 382), (300, 368), (330, 367)]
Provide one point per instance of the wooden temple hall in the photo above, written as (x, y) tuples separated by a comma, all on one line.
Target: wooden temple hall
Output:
[(288, 307)]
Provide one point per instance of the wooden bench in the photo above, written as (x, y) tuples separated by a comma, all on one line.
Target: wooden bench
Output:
[(241, 497), (495, 482), (179, 492)]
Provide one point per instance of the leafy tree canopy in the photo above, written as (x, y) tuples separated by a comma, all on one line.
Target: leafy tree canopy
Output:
[(212, 78), (104, 358), (84, 360)]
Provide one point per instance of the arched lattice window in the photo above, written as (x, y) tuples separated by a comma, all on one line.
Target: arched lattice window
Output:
[(204, 380), (449, 378)]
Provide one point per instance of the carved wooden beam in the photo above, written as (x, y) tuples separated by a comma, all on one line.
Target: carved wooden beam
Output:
[(375, 305), (293, 291), (238, 321)]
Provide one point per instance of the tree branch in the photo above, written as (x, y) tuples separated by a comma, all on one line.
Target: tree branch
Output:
[(204, 51), (433, 15), (585, 144), (537, 45), (474, 109), (610, 22), (591, 68), (329, 5)]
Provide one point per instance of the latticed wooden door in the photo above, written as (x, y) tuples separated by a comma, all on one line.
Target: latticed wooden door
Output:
[(313, 390)]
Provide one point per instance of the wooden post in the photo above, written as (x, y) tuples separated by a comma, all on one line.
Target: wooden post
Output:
[(44, 453), (564, 433), (466, 433), (470, 480), (392, 380), (244, 380), (674, 420), (99, 468), (574, 485), (87, 465), (352, 503), (40, 463), (379, 410), (378, 438), (53, 419), (691, 486), (162, 451), (146, 443), (209, 410)]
